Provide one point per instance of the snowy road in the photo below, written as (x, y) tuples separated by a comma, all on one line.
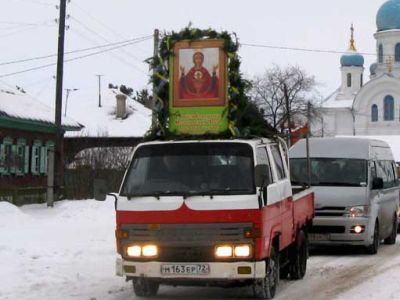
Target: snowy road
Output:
[(68, 253)]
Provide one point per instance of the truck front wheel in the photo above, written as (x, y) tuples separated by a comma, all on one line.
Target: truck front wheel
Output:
[(265, 288), (298, 256), (145, 288)]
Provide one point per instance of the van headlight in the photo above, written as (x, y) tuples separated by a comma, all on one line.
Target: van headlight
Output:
[(357, 211)]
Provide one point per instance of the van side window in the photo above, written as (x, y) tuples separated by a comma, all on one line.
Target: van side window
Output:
[(276, 154), (384, 169), (262, 159)]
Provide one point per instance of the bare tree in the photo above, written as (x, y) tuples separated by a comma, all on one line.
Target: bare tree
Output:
[(282, 95)]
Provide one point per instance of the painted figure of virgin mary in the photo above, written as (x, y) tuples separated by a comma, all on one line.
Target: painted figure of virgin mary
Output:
[(198, 83)]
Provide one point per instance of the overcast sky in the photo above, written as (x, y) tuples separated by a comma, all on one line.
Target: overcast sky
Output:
[(28, 29)]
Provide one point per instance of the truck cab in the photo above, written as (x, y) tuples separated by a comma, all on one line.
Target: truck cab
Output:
[(211, 212)]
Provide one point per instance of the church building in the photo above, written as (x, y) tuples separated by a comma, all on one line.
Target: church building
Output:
[(372, 109)]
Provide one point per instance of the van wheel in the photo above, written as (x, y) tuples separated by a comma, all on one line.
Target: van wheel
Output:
[(391, 240), (298, 257), (373, 248), (266, 288), (145, 288)]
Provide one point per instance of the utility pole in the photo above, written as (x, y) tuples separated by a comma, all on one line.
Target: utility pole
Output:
[(288, 115), (153, 102), (66, 99), (99, 76), (59, 148), (308, 144)]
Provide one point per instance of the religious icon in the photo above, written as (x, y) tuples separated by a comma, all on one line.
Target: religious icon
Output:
[(199, 74), (198, 82)]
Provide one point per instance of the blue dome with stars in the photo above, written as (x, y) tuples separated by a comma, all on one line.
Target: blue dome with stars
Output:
[(352, 59), (388, 16)]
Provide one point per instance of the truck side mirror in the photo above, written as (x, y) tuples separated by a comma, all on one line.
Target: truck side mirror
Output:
[(261, 175), (377, 183)]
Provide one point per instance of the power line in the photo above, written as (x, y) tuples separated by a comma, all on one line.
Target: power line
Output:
[(303, 49), (69, 60), (76, 51), (106, 40)]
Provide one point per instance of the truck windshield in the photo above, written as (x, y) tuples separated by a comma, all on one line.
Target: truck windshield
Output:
[(330, 171), (187, 169)]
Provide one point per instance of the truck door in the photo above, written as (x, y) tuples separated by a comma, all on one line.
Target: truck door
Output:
[(285, 193)]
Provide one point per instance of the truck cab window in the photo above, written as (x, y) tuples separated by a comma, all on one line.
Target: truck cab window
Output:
[(280, 169), (262, 159)]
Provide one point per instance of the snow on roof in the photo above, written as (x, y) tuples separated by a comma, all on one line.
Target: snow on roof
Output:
[(102, 121), (392, 140), (332, 102), (22, 106)]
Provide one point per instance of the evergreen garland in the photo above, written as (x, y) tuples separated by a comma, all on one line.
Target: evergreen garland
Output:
[(245, 119)]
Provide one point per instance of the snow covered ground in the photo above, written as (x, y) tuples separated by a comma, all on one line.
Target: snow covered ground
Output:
[(68, 252)]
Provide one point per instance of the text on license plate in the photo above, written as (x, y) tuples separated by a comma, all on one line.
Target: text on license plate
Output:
[(185, 269)]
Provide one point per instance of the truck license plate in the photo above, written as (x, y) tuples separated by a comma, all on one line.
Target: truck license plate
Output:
[(185, 269), (319, 237)]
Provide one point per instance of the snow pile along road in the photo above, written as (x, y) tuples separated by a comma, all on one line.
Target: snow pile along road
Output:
[(68, 252)]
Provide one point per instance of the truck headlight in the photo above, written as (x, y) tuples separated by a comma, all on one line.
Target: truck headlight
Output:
[(357, 211), (134, 251), (224, 251), (150, 251), (142, 251), (242, 251)]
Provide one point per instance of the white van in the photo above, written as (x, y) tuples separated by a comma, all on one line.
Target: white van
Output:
[(356, 190)]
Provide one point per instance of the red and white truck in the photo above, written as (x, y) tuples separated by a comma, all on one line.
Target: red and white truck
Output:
[(211, 212)]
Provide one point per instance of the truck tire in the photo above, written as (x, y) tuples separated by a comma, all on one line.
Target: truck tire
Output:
[(298, 256), (391, 239), (266, 288), (373, 248), (145, 288)]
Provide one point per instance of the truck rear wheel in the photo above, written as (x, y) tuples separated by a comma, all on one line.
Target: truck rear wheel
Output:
[(145, 288), (266, 288), (298, 256)]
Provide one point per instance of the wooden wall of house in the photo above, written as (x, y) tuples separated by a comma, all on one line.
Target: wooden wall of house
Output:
[(26, 185)]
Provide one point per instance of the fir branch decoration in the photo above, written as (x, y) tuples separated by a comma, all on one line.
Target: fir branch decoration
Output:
[(245, 119)]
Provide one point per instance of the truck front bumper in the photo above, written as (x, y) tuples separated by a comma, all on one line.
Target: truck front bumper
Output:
[(217, 270)]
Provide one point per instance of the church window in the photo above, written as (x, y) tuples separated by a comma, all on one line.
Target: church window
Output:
[(388, 108), (380, 54), (374, 113), (397, 53), (348, 80)]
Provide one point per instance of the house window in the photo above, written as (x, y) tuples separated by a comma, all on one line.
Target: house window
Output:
[(374, 113), (348, 80), (380, 53), (6, 157), (388, 108), (397, 53), (21, 157), (36, 155)]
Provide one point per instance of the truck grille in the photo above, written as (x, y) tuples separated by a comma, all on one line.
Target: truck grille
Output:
[(187, 234), (187, 242)]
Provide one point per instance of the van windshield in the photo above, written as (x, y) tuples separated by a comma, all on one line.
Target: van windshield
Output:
[(186, 169), (330, 171)]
